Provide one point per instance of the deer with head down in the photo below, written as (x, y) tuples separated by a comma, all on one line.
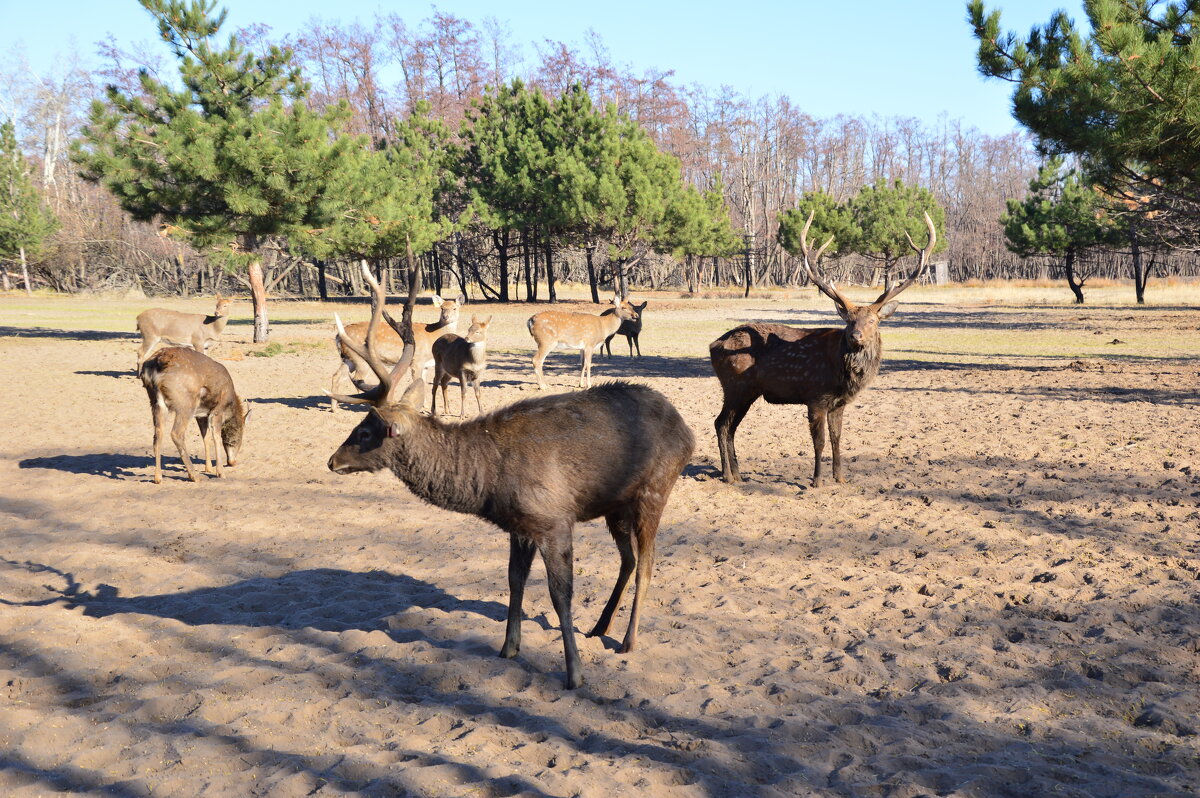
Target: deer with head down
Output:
[(534, 469), (190, 385), (823, 368)]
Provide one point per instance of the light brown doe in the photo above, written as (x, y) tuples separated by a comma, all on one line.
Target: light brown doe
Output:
[(191, 385), (463, 358), (197, 330), (560, 329)]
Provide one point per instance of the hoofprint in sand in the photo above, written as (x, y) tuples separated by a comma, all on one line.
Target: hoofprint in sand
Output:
[(1003, 599)]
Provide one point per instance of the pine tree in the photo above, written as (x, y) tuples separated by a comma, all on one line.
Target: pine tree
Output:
[(230, 158), (1122, 99), (830, 219), (25, 223), (887, 217), (1061, 216)]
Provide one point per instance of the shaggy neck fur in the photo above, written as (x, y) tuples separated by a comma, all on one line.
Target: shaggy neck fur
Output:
[(860, 365), (449, 465)]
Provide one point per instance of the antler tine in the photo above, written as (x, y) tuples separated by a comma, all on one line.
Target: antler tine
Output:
[(922, 260), (367, 352), (827, 288), (404, 328)]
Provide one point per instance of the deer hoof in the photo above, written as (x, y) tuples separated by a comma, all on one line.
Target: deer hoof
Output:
[(508, 652), (573, 681)]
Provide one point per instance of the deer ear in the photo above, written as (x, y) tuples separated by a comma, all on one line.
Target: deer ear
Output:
[(489, 321), (462, 299), (414, 395), (889, 308), (437, 301), (644, 304)]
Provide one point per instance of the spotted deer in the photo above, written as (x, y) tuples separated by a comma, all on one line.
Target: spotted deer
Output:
[(462, 358), (389, 347), (823, 368), (632, 330), (191, 385), (560, 329), (197, 330), (534, 469)]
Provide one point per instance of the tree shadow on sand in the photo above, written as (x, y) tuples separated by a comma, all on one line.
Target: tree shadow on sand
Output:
[(65, 335)]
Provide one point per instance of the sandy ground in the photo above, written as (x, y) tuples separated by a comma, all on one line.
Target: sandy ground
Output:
[(1003, 600)]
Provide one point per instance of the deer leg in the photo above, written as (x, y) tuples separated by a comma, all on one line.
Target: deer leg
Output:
[(159, 414), (635, 342), (835, 442), (333, 386), (462, 394), (478, 401), (539, 357), (622, 532), (559, 558), (585, 376), (733, 410), (179, 437), (437, 381), (816, 426), (608, 345), (216, 422), (520, 559), (203, 423), (646, 528)]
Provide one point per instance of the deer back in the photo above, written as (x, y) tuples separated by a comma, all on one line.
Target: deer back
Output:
[(607, 444), (789, 365), (567, 330)]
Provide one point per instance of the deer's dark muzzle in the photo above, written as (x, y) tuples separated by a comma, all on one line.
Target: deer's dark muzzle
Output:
[(338, 464)]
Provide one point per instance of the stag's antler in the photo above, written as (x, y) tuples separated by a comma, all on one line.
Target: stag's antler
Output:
[(810, 264), (388, 379), (922, 260)]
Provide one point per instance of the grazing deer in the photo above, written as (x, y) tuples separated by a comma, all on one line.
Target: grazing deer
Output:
[(389, 347), (630, 329), (560, 329), (182, 329), (192, 385), (822, 368), (534, 469), (463, 359)]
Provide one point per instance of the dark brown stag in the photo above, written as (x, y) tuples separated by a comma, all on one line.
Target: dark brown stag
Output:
[(822, 368), (534, 469)]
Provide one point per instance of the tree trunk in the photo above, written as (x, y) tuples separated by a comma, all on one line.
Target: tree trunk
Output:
[(1069, 269), (749, 272), (322, 288), (258, 297), (500, 239), (1140, 274), (591, 249), (25, 272), (690, 272), (622, 288), (530, 276), (4, 283), (548, 247)]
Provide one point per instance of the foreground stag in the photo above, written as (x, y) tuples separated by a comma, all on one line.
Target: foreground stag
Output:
[(191, 385), (533, 469), (822, 368)]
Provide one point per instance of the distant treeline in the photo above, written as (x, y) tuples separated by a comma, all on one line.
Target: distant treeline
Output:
[(763, 154)]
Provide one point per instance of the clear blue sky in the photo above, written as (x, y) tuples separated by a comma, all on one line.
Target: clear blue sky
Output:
[(888, 57)]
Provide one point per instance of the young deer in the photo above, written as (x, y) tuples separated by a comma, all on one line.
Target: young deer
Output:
[(191, 385), (822, 368), (559, 329), (463, 359), (533, 469), (630, 329), (182, 329), (388, 345)]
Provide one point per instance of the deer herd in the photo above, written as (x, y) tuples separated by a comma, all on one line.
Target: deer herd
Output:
[(537, 467)]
